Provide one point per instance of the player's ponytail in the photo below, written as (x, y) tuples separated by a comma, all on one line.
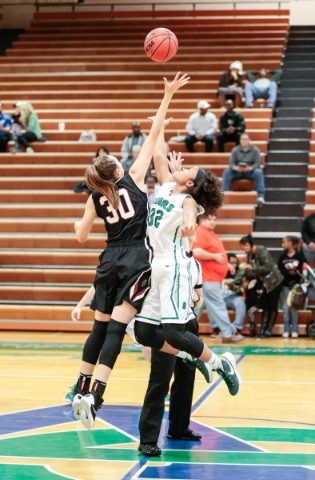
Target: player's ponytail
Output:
[(101, 177), (208, 193)]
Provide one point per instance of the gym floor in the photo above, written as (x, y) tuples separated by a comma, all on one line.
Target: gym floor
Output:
[(266, 432)]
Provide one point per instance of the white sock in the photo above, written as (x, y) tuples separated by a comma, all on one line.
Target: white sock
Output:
[(184, 355), (214, 362)]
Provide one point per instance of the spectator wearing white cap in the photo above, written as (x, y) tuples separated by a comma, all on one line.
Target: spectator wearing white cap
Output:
[(230, 85), (201, 126)]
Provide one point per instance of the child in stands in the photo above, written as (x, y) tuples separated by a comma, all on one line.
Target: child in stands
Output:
[(253, 290), (290, 264)]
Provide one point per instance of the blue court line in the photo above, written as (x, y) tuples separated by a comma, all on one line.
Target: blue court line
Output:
[(209, 390)]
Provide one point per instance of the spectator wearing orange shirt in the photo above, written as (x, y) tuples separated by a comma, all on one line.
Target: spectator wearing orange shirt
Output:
[(209, 250)]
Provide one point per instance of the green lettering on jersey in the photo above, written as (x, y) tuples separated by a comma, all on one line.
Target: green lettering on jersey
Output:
[(165, 204), (155, 217)]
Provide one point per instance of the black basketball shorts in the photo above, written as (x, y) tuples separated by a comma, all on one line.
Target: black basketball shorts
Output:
[(124, 273)]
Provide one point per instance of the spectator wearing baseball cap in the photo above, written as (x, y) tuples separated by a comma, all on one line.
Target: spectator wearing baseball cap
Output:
[(230, 85), (201, 126), (135, 138)]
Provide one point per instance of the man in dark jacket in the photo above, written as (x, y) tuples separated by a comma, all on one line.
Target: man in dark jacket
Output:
[(260, 85), (232, 125)]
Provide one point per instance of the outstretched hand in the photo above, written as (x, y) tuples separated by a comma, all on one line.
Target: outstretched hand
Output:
[(178, 82), (175, 163)]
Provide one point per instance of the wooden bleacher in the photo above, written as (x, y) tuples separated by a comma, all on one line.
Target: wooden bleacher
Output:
[(90, 71)]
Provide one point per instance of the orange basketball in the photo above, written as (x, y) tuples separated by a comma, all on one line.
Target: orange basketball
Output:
[(160, 45)]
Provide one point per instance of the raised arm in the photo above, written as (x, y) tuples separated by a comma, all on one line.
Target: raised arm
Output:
[(141, 165), (160, 156)]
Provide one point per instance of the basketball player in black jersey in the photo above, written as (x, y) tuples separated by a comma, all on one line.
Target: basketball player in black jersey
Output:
[(123, 277)]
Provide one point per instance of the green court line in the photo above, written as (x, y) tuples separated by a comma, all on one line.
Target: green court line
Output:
[(236, 350), (77, 445), (263, 434)]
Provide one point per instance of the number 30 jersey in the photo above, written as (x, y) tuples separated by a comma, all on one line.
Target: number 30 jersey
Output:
[(165, 220), (129, 221)]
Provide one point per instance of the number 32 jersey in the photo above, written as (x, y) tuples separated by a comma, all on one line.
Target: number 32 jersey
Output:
[(165, 220), (129, 221)]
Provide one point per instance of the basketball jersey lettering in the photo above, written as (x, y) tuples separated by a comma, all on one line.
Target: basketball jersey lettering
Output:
[(155, 217), (125, 208)]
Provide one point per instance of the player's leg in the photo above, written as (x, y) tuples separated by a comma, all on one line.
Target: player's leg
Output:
[(162, 367), (189, 346), (131, 289), (90, 403), (181, 397), (91, 352)]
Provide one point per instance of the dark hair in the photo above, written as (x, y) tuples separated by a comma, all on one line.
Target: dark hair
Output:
[(232, 255), (101, 148), (101, 177), (247, 239), (207, 193), (249, 275), (296, 242)]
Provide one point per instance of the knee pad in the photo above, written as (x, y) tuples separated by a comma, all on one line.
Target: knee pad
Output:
[(149, 335), (95, 342), (177, 337), (112, 346), (174, 335)]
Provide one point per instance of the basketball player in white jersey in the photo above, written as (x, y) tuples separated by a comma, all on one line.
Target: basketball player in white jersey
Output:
[(183, 194)]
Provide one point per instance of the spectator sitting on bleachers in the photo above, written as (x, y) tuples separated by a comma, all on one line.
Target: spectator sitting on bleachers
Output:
[(260, 86), (127, 164), (308, 236), (230, 85), (5, 129), (30, 122), (135, 138), (232, 125), (16, 127), (82, 186), (244, 162), (261, 263), (201, 126)]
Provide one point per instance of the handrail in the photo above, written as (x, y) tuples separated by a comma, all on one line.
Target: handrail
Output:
[(191, 6)]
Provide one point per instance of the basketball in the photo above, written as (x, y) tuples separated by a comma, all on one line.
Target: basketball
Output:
[(160, 45)]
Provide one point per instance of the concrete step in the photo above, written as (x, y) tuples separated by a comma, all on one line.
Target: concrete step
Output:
[(277, 224), (285, 195), (289, 144), (279, 156), (288, 209), (282, 168), (284, 181)]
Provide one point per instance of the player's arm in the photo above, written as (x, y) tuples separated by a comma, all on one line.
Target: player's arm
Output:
[(160, 156), (197, 297), (83, 228), (141, 165), (87, 298), (189, 217)]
